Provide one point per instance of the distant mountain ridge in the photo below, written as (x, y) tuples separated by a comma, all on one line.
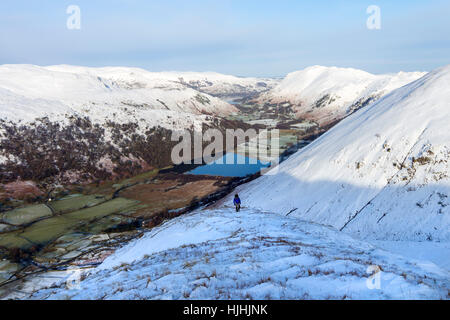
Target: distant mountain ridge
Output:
[(381, 173), (73, 124), (91, 123), (326, 94), (97, 92)]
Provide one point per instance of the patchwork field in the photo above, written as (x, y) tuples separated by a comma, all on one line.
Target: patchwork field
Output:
[(86, 225)]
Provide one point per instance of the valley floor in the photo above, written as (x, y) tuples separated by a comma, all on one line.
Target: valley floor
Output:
[(221, 254)]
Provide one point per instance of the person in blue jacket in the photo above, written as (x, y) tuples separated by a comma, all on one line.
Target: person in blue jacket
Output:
[(237, 203)]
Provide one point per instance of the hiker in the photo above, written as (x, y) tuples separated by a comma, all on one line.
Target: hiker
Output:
[(237, 203)]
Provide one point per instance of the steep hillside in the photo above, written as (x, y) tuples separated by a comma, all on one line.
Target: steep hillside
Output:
[(74, 124), (102, 92), (382, 173), (324, 94), (221, 254), (212, 83)]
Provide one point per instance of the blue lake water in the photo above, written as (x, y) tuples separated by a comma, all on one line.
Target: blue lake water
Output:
[(231, 165)]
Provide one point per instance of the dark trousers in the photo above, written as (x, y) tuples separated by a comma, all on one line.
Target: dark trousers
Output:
[(238, 207)]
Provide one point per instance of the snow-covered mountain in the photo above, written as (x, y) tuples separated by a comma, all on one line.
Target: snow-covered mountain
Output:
[(220, 85), (123, 94), (324, 94), (221, 254), (96, 121), (381, 173), (212, 83)]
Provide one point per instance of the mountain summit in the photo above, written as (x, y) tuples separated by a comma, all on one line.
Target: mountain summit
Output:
[(327, 94), (381, 173)]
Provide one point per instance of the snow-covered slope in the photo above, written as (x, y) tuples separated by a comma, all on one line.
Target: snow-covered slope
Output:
[(381, 173), (225, 85), (16, 107), (100, 92), (212, 83), (325, 94), (100, 120), (219, 254)]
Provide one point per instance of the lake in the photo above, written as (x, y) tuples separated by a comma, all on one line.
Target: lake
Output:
[(231, 165)]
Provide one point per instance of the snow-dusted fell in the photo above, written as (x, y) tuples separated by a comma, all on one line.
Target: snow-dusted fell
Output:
[(97, 93), (221, 254), (325, 94), (381, 173), (92, 123), (213, 83)]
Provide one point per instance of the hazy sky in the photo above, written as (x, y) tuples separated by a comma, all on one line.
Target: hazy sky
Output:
[(241, 37)]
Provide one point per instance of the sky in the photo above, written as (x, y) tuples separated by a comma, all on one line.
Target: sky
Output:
[(239, 37)]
